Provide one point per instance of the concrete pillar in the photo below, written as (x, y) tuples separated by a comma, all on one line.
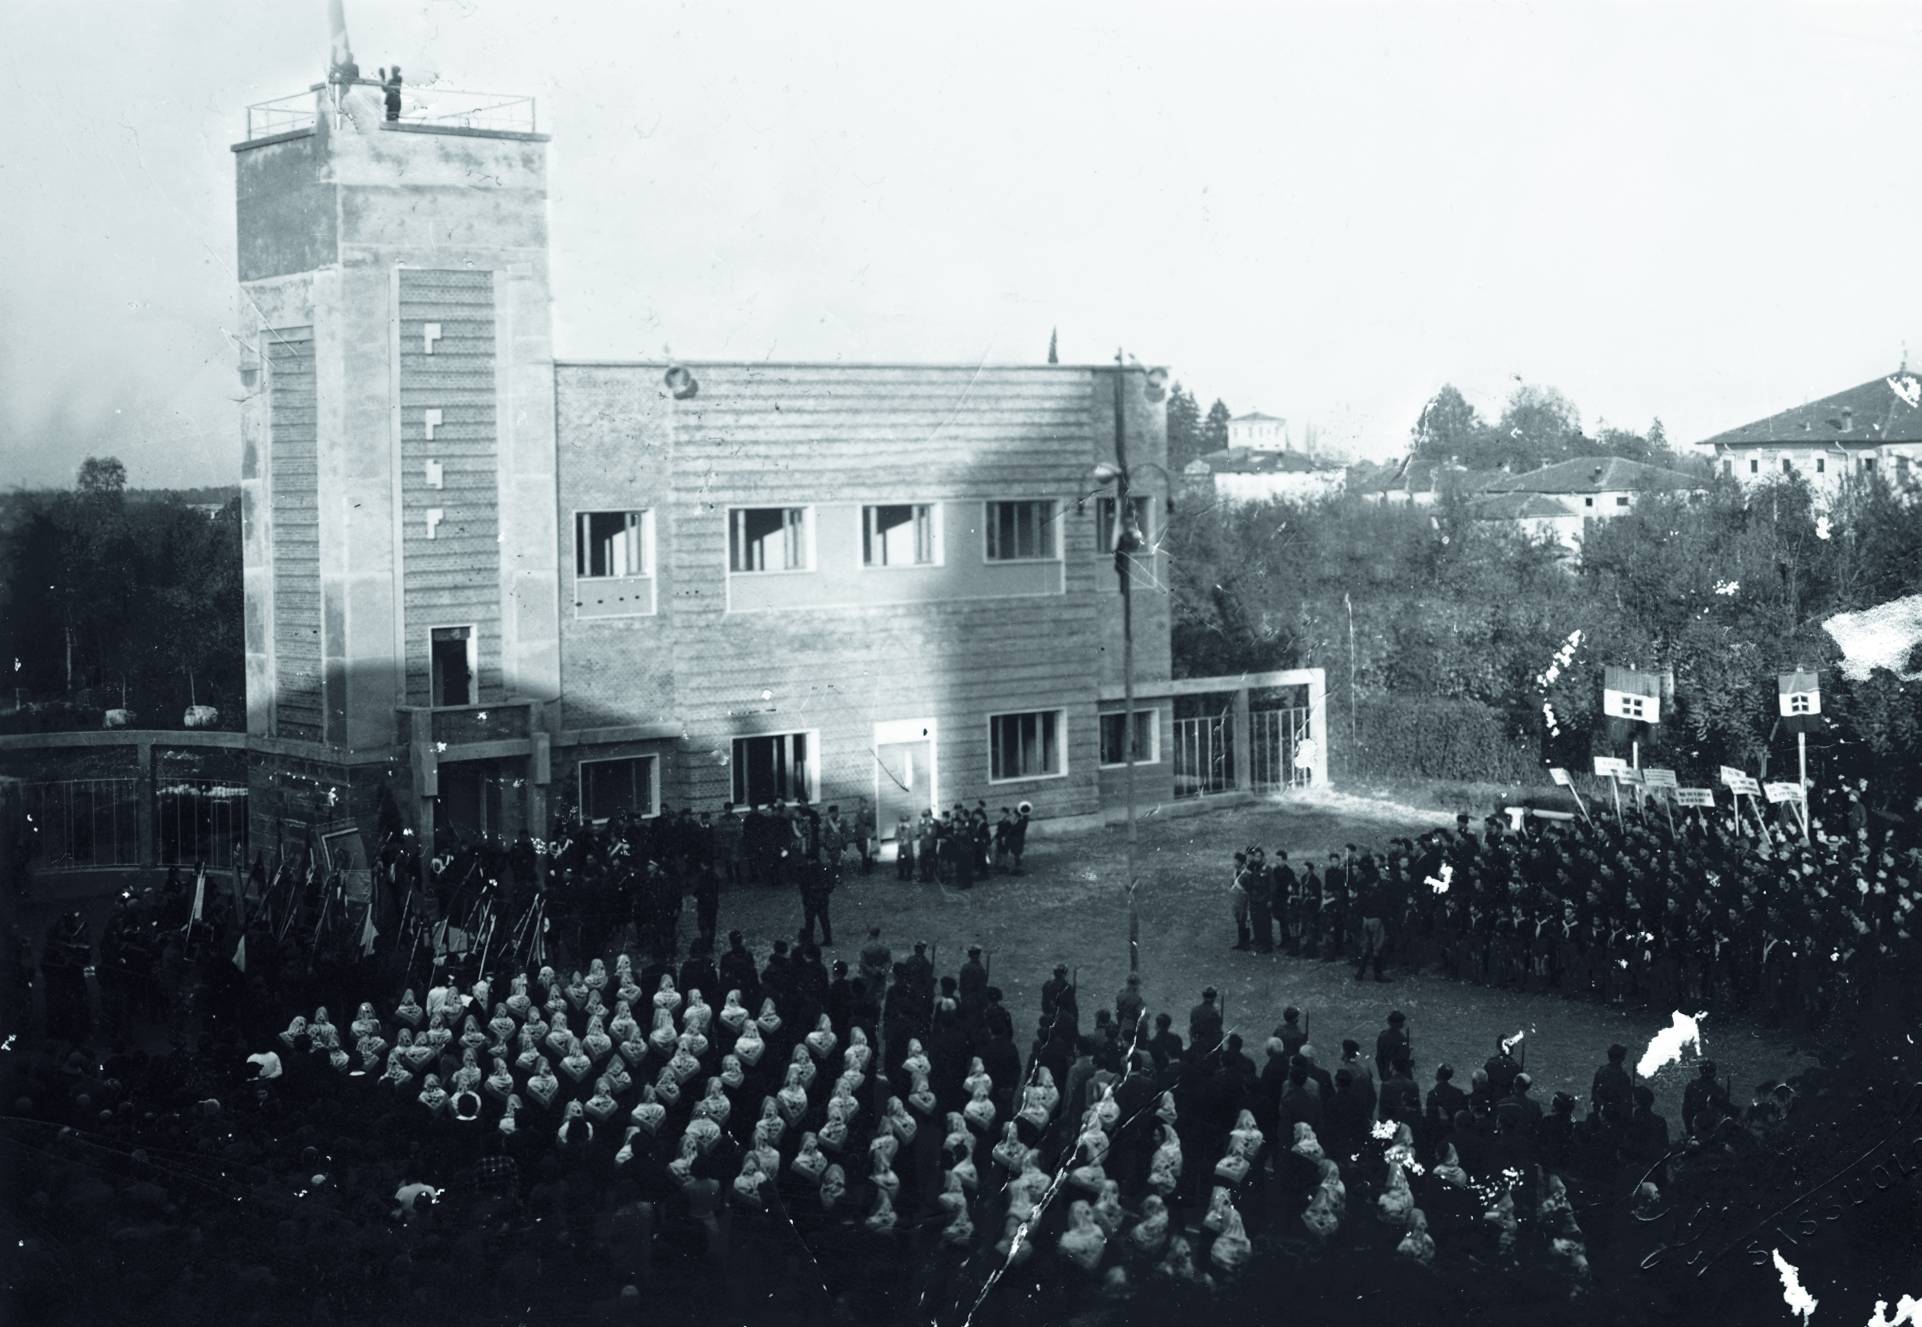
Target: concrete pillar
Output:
[(1318, 723), (143, 803), (1240, 751), (424, 827)]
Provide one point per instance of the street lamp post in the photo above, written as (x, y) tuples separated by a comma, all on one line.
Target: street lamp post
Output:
[(1123, 556), (1128, 541)]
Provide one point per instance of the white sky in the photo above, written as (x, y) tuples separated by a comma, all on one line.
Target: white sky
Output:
[(1706, 212)]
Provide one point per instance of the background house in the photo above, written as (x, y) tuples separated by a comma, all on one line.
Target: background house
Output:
[(1873, 428), (1237, 475), (1557, 500)]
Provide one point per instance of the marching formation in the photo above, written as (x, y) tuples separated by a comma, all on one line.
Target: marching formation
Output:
[(1700, 913)]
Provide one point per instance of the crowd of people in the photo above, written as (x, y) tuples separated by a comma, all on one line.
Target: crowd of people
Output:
[(805, 1143), (417, 1117), (1704, 912)]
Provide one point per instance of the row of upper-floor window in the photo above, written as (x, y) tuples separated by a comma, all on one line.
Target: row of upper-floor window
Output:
[(907, 534), (1864, 463)]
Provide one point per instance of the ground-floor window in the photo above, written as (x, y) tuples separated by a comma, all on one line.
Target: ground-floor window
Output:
[(1114, 738), (612, 786), (775, 767), (1026, 746)]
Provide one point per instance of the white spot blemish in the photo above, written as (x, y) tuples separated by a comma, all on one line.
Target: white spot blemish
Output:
[(1878, 637), (1822, 527), (1800, 1301), (1909, 1311), (1665, 1047)]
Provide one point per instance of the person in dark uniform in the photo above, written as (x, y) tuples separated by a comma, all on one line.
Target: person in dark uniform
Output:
[(816, 885), (1445, 1100), (707, 901), (737, 971), (1392, 1042), (974, 984), (1204, 1023), (904, 849), (1612, 1088), (1261, 898), (1284, 901), (1697, 1096), (1051, 991), (920, 971), (1018, 835), (1373, 908)]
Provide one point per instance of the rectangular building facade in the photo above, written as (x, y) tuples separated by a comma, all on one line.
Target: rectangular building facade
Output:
[(884, 583), (497, 590)]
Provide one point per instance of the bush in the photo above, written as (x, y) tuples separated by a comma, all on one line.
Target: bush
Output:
[(1419, 737)]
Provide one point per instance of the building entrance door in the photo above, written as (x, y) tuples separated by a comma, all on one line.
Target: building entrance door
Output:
[(475, 801), (904, 773)]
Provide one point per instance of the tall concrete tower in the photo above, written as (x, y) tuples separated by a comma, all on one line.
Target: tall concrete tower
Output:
[(398, 466)]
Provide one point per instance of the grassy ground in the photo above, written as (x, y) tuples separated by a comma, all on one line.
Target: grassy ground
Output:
[(1071, 908)]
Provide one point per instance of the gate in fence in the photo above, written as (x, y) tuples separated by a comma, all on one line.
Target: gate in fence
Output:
[(1274, 736), (80, 823)]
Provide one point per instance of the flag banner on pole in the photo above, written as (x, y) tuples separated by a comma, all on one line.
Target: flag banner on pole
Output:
[(367, 933), (1799, 699), (1560, 777), (1627, 694), (1695, 797), (240, 954), (1733, 777), (1783, 792), (1658, 778), (200, 892), (1798, 694), (1607, 765)]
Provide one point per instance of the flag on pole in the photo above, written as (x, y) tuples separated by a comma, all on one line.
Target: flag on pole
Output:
[(240, 954), (367, 933), (1560, 776), (1627, 694), (1799, 700), (1798, 693), (200, 892)]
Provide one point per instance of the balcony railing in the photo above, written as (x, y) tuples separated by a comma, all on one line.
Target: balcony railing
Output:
[(425, 105), (461, 725)]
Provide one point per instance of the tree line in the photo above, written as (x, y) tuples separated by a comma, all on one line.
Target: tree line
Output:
[(1429, 620), (115, 598)]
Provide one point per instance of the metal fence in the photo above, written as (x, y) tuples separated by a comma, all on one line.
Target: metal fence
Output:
[(75, 824), (445, 107), (1204, 756), (1273, 738), (199, 820)]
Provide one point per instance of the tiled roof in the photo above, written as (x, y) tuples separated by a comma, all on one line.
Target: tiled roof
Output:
[(1594, 474), (1880, 410), (1244, 461), (1517, 506), (1423, 475)]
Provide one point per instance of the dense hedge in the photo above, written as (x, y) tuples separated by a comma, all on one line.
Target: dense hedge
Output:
[(1419, 737)]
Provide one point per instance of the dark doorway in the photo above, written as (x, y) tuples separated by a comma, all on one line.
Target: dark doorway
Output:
[(453, 665)]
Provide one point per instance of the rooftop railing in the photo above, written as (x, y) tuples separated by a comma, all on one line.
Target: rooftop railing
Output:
[(426, 106)]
